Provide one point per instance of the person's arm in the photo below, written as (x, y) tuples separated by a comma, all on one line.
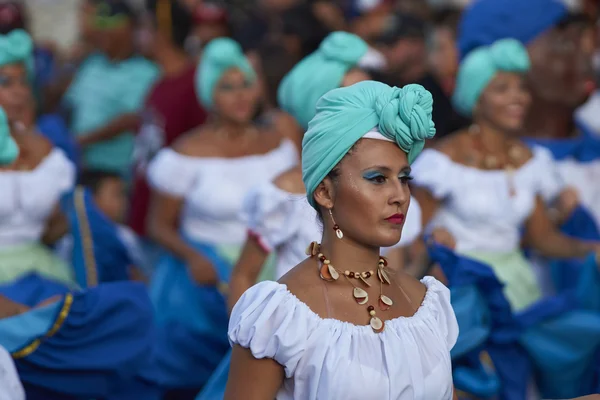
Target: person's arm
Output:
[(429, 204), (246, 270), (123, 123), (543, 236), (251, 378), (57, 225), (163, 228)]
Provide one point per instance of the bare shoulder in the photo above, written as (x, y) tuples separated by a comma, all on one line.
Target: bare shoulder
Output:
[(415, 289), (304, 283), (291, 181), (37, 145), (454, 145), (198, 142), (287, 126)]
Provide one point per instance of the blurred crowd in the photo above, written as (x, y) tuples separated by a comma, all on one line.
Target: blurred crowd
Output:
[(149, 142)]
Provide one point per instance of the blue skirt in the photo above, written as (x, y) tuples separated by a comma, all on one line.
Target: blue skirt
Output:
[(192, 321)]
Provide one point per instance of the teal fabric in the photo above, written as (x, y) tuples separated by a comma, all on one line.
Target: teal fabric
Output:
[(318, 73), (17, 47), (481, 65), (101, 91), (345, 115), (219, 56), (9, 151)]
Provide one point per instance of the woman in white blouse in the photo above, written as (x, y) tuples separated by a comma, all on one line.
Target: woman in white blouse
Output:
[(484, 184), (33, 184), (342, 324), (199, 186)]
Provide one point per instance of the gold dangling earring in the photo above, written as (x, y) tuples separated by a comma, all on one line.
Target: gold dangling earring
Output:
[(336, 227)]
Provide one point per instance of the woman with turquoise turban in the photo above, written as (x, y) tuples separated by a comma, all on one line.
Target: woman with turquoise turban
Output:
[(34, 174), (198, 189), (484, 184), (277, 224), (328, 327)]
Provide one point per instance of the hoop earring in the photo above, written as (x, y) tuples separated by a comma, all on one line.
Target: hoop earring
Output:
[(336, 227)]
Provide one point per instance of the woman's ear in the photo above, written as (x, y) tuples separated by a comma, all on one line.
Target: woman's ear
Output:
[(324, 194)]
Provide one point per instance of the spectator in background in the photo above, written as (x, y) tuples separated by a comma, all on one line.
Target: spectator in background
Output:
[(108, 91), (210, 22), (402, 40), (171, 108)]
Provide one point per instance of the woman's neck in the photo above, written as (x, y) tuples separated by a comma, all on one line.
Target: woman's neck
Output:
[(491, 137), (346, 254), (231, 130), (549, 120)]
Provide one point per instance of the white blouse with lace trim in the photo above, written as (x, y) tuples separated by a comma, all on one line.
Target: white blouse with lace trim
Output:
[(477, 206), (325, 358), (285, 223), (28, 198), (214, 189)]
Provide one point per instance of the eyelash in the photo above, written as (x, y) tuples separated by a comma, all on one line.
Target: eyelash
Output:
[(377, 179)]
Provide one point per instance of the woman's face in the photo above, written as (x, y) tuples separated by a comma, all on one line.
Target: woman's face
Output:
[(369, 195), (15, 92), (353, 76), (561, 65), (504, 102), (235, 97)]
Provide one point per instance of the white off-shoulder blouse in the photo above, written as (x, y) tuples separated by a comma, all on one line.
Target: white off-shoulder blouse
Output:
[(329, 359)]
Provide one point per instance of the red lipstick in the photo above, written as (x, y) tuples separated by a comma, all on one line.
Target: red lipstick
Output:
[(396, 219)]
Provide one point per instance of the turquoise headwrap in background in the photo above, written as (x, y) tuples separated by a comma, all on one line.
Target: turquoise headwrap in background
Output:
[(17, 47), (345, 115), (481, 65), (220, 55), (9, 151), (318, 73)]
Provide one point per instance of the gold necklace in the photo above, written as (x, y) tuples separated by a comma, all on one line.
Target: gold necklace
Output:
[(491, 162), (329, 273)]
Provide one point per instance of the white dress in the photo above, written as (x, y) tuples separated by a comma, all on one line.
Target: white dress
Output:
[(286, 223), (477, 208), (26, 202), (29, 197), (214, 188), (10, 385), (329, 359)]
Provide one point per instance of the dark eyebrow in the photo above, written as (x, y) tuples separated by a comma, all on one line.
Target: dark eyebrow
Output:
[(406, 169)]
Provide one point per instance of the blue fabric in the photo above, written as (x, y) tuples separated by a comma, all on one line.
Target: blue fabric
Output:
[(583, 148), (216, 385), (486, 21), (54, 128), (32, 289), (9, 151), (558, 334), (192, 323), (110, 257), (103, 341)]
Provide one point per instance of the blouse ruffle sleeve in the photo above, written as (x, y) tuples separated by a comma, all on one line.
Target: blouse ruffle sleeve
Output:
[(273, 215), (444, 313), (435, 172), (550, 183), (61, 170), (270, 322), (172, 173)]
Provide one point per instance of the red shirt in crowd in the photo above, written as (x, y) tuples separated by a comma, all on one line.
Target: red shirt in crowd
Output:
[(171, 109)]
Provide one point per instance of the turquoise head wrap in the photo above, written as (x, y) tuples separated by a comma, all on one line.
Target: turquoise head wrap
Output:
[(17, 47), (346, 114), (219, 56), (9, 151), (481, 65), (318, 73)]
